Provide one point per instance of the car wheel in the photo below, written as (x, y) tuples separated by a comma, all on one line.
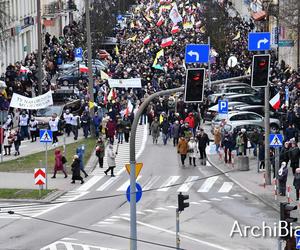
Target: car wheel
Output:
[(65, 83), (274, 128)]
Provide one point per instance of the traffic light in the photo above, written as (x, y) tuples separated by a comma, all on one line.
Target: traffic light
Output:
[(181, 203), (194, 85), (260, 70), (285, 216)]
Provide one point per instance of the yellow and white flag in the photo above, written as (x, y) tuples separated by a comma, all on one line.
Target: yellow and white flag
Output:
[(104, 76), (238, 35)]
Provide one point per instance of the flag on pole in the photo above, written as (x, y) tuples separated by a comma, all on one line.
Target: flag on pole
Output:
[(112, 95), (104, 76), (166, 42), (117, 50), (132, 38), (238, 35), (158, 55), (187, 25), (129, 108), (146, 40), (160, 21), (91, 105), (275, 101), (83, 69), (174, 15), (175, 29)]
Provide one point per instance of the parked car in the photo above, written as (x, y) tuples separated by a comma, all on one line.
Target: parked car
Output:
[(214, 98), (72, 77), (246, 98), (251, 118), (237, 127), (218, 87), (212, 111), (240, 90)]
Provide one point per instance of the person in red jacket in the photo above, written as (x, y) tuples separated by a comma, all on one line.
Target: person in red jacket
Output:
[(111, 130), (59, 163), (191, 121)]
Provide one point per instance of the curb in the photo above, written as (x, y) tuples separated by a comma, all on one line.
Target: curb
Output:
[(244, 188)]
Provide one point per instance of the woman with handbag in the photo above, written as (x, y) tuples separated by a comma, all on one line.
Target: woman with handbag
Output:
[(192, 151)]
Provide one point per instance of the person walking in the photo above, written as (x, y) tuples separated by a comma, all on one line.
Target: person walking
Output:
[(111, 160), (68, 122), (165, 126), (182, 149), (127, 127), (111, 130), (282, 178), (203, 142), (175, 132), (155, 130), (240, 143), (296, 183), (17, 141), (23, 124), (120, 130), (75, 168), (228, 144), (75, 125), (294, 155), (58, 164), (53, 125), (33, 128), (80, 154), (217, 138), (261, 155), (192, 151), (8, 141), (85, 123), (100, 151)]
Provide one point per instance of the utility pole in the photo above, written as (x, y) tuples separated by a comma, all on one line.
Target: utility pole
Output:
[(39, 58), (89, 51)]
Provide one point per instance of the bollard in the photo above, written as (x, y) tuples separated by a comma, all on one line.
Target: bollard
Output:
[(275, 189), (288, 194), (264, 180)]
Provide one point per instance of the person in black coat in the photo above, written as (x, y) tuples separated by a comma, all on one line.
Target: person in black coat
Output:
[(296, 183), (75, 167), (284, 153), (282, 178), (228, 143), (203, 142)]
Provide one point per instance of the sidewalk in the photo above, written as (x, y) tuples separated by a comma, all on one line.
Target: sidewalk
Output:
[(252, 182)]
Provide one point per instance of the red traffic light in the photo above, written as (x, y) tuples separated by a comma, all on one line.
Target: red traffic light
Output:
[(262, 64), (197, 77)]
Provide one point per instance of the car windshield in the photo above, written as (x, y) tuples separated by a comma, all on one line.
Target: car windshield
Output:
[(49, 111)]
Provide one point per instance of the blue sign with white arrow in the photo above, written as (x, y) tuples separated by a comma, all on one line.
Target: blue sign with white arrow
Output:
[(197, 53), (276, 140), (258, 41), (119, 17), (138, 194), (78, 54), (46, 136), (223, 107)]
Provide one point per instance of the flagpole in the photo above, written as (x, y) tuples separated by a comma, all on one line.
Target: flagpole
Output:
[(209, 66)]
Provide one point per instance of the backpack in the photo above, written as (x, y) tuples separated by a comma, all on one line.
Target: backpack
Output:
[(64, 160)]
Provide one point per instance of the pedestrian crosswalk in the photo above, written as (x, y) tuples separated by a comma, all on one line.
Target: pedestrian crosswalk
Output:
[(123, 152), (66, 244), (158, 183)]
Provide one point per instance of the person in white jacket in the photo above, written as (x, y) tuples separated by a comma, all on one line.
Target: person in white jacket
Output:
[(192, 151), (111, 160)]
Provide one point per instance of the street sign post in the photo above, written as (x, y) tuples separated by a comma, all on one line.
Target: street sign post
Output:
[(46, 137), (78, 54), (197, 53), (40, 178), (139, 192), (259, 41), (223, 107), (276, 140), (138, 168)]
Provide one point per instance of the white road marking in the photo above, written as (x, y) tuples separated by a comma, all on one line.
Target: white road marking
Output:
[(227, 197), (194, 203), (204, 201), (226, 187), (110, 220), (237, 195), (150, 211), (151, 182), (181, 235), (108, 183), (161, 209), (172, 206), (170, 181), (207, 185), (188, 183), (69, 246), (138, 212), (69, 239), (91, 182), (125, 214), (215, 199), (124, 186)]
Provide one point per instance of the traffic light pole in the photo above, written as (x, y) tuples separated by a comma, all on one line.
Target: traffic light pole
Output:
[(133, 231), (177, 230)]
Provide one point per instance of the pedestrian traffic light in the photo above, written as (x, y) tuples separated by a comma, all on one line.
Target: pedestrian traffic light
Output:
[(286, 219), (181, 203), (194, 85), (260, 70)]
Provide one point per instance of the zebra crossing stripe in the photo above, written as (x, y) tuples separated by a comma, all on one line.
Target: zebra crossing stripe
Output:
[(108, 183), (226, 187), (151, 182), (189, 182), (91, 182), (170, 181), (207, 185), (126, 184)]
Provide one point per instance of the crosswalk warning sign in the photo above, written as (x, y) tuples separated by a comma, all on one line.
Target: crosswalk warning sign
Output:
[(275, 140), (45, 136)]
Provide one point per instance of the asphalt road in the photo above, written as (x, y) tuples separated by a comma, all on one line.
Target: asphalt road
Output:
[(215, 204)]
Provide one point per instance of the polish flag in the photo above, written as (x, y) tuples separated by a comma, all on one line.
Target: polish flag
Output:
[(166, 42), (275, 101), (146, 40), (24, 70), (129, 108), (83, 69), (160, 21), (175, 29)]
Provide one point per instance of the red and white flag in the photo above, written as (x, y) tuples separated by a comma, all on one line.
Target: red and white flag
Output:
[(166, 42), (146, 40), (129, 108), (275, 101), (83, 69), (24, 70), (175, 29), (160, 21)]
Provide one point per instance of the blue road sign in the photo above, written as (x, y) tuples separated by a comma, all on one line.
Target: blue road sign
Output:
[(276, 140), (138, 194), (297, 236), (197, 53), (119, 17), (258, 41), (223, 107), (46, 135), (78, 54)]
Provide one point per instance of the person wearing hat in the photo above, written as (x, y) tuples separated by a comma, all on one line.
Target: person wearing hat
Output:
[(282, 178), (203, 142), (192, 151), (111, 160)]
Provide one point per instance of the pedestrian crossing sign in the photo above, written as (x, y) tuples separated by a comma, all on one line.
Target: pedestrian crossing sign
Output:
[(45, 136), (276, 140), (138, 168)]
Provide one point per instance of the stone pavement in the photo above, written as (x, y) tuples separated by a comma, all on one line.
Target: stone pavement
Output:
[(252, 181)]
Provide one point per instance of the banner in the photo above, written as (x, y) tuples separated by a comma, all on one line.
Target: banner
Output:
[(39, 102), (125, 83), (174, 15)]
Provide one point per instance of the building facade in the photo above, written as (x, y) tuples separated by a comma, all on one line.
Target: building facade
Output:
[(20, 31)]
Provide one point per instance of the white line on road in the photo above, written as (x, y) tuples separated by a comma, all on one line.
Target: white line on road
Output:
[(91, 182), (226, 187), (237, 195), (170, 181), (151, 182), (150, 211), (188, 183), (215, 199), (161, 209), (124, 186), (207, 185), (108, 183), (194, 203), (181, 235), (227, 197)]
